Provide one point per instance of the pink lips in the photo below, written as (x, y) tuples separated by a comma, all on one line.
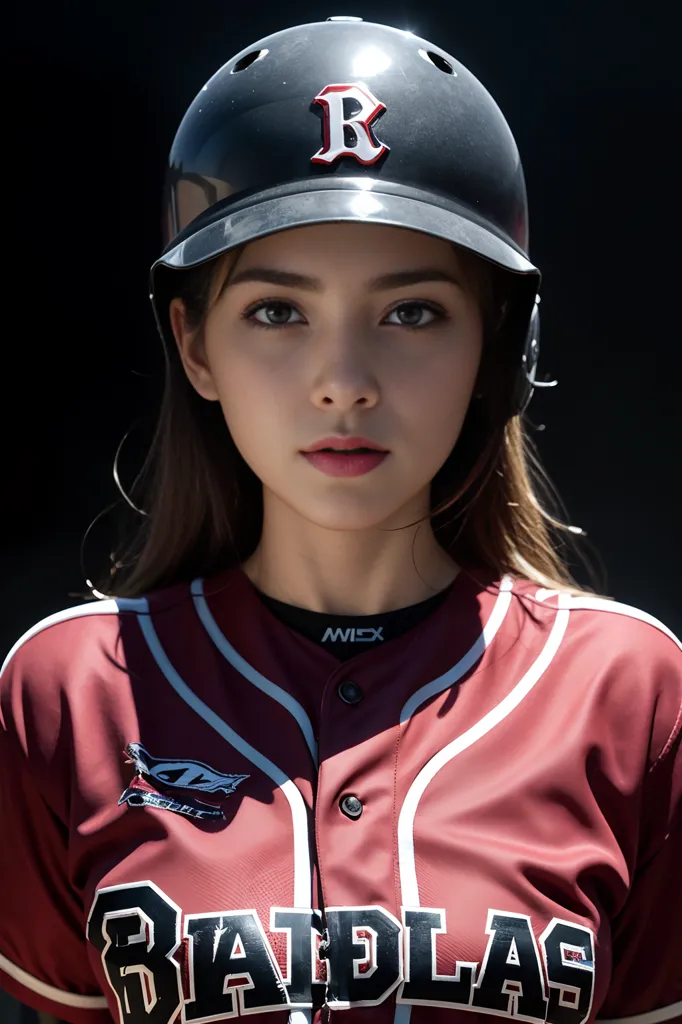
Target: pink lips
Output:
[(339, 455)]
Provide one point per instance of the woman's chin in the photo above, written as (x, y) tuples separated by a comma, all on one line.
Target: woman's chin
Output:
[(348, 512)]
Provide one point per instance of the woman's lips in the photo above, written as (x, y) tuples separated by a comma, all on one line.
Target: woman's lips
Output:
[(345, 463), (345, 455), (344, 442)]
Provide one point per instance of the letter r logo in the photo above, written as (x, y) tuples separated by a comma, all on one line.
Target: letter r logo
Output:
[(367, 150)]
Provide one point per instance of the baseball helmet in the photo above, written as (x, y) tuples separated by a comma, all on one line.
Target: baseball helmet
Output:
[(345, 120)]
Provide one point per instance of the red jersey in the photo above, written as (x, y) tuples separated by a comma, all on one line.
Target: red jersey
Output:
[(205, 814)]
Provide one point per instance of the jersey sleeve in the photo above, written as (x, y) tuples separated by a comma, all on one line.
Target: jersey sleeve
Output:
[(43, 959), (646, 982)]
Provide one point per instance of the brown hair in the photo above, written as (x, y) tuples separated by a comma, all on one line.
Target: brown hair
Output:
[(492, 505)]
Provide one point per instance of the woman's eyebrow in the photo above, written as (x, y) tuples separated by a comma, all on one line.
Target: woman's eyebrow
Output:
[(286, 278), (397, 279), (402, 278)]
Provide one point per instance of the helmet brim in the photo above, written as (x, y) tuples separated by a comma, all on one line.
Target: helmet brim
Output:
[(229, 225), (233, 224)]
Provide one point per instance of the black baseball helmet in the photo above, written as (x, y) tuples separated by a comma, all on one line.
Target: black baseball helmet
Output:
[(344, 120)]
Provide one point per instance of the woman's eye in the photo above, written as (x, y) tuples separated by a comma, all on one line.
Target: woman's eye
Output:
[(413, 314), (282, 314), (275, 314)]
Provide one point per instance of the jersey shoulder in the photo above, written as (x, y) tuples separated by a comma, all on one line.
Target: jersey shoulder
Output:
[(65, 631), (60, 628), (82, 643), (633, 627), (600, 619), (54, 659), (626, 663)]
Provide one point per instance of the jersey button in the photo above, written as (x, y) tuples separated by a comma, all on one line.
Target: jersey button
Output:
[(351, 806), (350, 693)]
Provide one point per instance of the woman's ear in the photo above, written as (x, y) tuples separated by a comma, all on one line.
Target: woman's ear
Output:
[(192, 352)]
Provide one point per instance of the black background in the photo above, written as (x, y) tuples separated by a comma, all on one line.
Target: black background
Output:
[(92, 95)]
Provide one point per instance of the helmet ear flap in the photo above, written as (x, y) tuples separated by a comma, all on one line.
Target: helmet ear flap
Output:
[(527, 378), (529, 361)]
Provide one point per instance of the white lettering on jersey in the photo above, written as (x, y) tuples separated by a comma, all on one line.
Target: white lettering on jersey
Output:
[(353, 636)]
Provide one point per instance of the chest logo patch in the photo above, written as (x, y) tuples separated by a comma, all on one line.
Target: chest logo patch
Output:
[(353, 636), (155, 775)]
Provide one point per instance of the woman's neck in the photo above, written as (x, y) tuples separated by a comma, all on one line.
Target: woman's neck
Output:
[(353, 572)]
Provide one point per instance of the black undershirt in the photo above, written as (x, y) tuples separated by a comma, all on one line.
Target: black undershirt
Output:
[(346, 636)]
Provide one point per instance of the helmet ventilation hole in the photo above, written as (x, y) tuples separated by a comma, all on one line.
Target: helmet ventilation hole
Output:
[(245, 62), (440, 62)]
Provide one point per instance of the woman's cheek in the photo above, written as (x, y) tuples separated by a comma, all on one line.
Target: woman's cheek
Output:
[(242, 382), (440, 400), (259, 413)]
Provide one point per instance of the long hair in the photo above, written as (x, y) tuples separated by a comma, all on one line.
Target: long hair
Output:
[(492, 505)]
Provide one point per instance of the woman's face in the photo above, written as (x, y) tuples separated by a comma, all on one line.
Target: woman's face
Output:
[(343, 331)]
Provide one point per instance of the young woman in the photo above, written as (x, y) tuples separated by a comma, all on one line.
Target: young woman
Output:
[(348, 741)]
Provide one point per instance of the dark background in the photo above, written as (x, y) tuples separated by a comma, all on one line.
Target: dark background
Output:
[(92, 95)]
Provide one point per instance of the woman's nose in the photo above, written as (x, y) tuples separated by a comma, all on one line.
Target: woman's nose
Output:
[(345, 377)]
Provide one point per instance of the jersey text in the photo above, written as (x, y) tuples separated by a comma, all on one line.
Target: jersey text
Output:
[(365, 953)]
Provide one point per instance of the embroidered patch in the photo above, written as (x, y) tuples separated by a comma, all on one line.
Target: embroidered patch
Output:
[(135, 797), (183, 774), (178, 774)]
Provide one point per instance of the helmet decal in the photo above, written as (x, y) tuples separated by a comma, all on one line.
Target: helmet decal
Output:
[(366, 149)]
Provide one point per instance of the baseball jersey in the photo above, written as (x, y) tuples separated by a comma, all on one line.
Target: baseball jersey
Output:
[(207, 815)]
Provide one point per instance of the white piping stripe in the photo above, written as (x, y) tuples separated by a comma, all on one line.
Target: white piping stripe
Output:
[(449, 678), (299, 813), (108, 607), (235, 659), (300, 1017), (41, 988), (598, 604), (672, 1012), (403, 1012), (406, 857)]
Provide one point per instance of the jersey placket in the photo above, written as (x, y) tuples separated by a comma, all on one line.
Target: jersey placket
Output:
[(357, 814), (355, 838)]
